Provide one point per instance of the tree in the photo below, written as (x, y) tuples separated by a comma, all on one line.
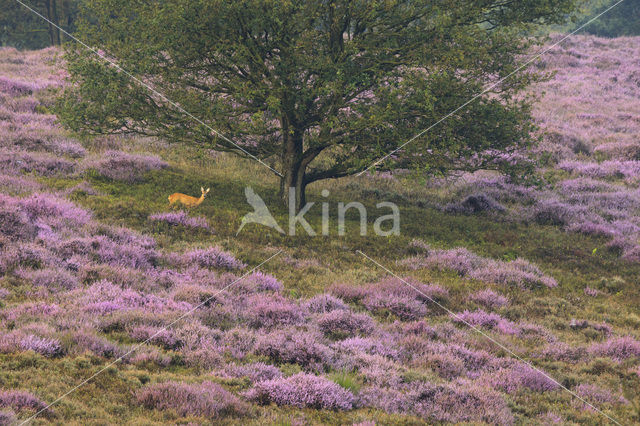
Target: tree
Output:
[(622, 20), (323, 87), (21, 28)]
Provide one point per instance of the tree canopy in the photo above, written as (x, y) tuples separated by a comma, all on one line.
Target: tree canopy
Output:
[(322, 87)]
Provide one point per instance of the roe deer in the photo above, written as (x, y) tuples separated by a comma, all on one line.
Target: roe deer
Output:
[(187, 200)]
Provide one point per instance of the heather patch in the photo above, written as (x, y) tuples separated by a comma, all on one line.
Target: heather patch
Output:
[(206, 399), (181, 219), (518, 272), (302, 390), (121, 166)]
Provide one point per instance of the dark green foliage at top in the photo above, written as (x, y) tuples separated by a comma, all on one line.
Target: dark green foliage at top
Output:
[(319, 88), (23, 29), (622, 20)]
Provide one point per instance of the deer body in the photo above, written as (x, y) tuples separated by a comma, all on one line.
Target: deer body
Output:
[(187, 200)]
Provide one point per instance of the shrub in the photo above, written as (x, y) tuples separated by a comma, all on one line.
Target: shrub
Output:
[(206, 399), (591, 291), (259, 281), (404, 307), (522, 376), (369, 345), (181, 219), (256, 372), (41, 345), (560, 351), (619, 348), (325, 302), (597, 395), (14, 222), (519, 272), (155, 335), (212, 257), (462, 403), (19, 400), (294, 346), (302, 390), (489, 299), (54, 279), (343, 323), (477, 203), (97, 345), (121, 166), (271, 312), (349, 293), (491, 321)]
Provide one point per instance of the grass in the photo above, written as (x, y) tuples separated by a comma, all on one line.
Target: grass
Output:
[(308, 265)]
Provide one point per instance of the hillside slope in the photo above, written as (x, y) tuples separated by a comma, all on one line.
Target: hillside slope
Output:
[(94, 267)]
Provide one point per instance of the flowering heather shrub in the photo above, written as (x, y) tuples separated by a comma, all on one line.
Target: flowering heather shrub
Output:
[(18, 185), (16, 87), (259, 281), (369, 345), (14, 222), (582, 324), (522, 376), (489, 299), (476, 203), (155, 335), (597, 395), (325, 302), (238, 342), (37, 309), (572, 186), (348, 293), (458, 259), (591, 291), (17, 162), (618, 348), (54, 279), (125, 167), (47, 206), (206, 399), (41, 345), (518, 272), (405, 308), (342, 323), (302, 390), (212, 257), (555, 212), (294, 346), (7, 418), (256, 372), (466, 402), (270, 312), (181, 219), (606, 169), (100, 346), (561, 351), (20, 400), (492, 321)]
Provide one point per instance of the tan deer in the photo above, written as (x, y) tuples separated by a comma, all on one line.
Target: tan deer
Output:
[(187, 200)]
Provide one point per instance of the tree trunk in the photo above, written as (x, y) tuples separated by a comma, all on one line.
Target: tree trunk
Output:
[(293, 173), (52, 35), (54, 18)]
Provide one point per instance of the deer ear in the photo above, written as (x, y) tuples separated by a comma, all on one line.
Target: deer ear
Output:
[(208, 189), (202, 189)]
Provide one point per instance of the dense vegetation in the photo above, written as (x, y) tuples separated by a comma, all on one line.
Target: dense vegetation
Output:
[(318, 89), (93, 263)]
